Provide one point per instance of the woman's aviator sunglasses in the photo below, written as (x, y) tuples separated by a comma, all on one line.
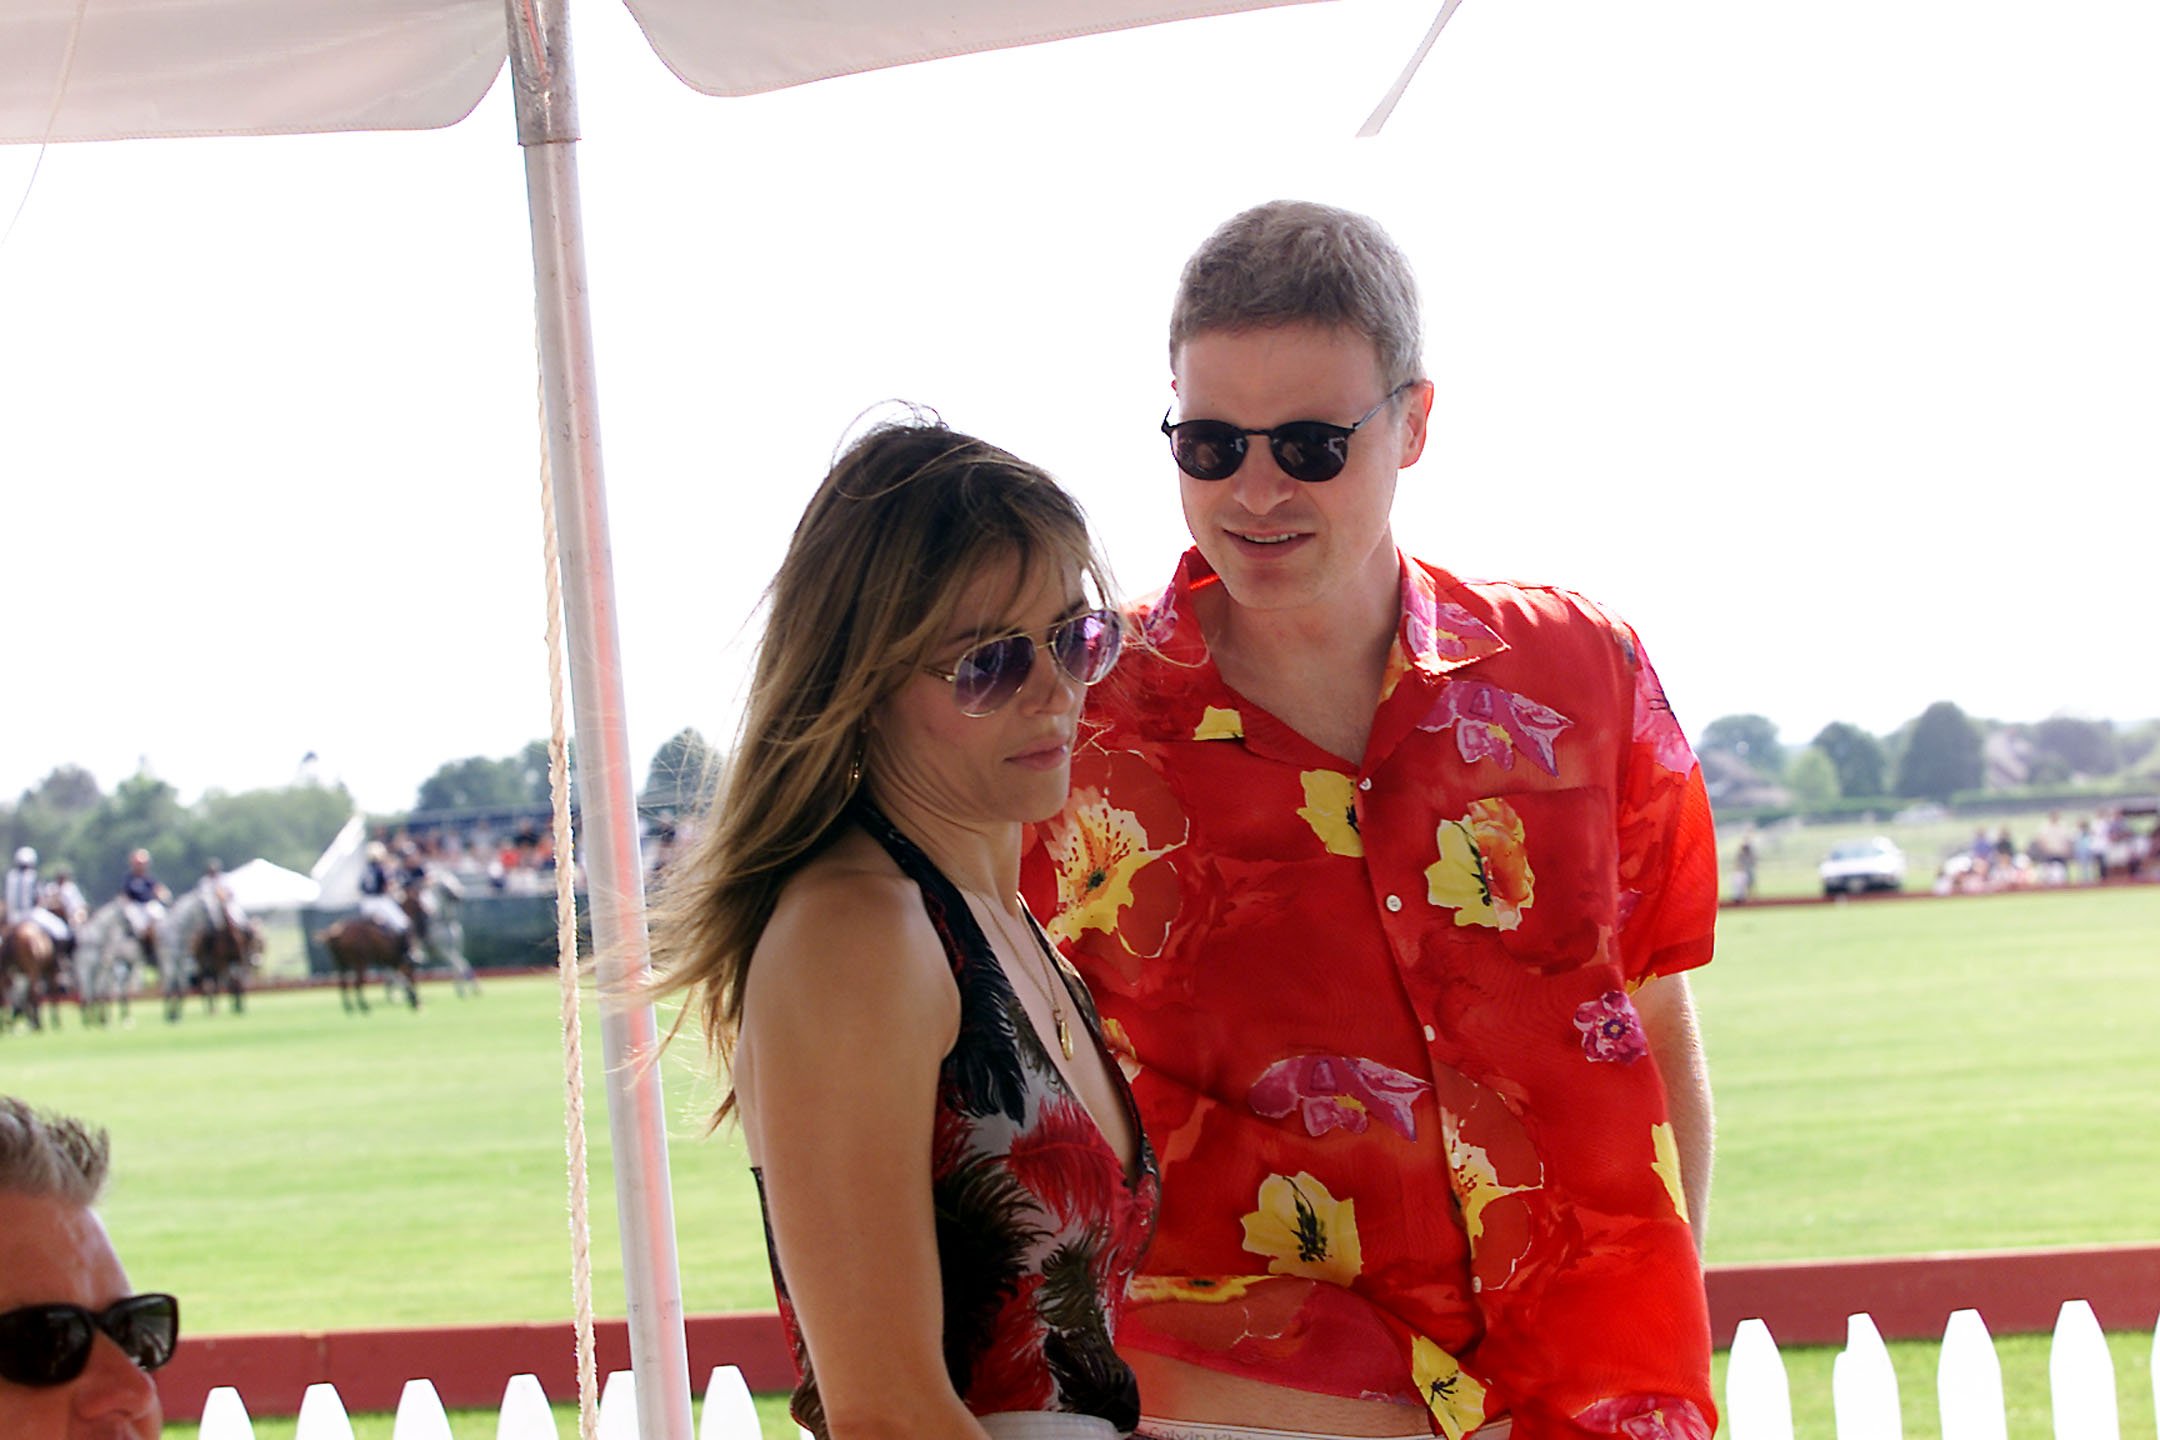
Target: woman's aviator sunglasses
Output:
[(991, 673), (50, 1344), (1307, 450)]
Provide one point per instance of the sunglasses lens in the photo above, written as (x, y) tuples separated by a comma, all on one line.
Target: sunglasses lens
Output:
[(44, 1344), (146, 1327), (1310, 451), (1207, 449), (1087, 645), (992, 673)]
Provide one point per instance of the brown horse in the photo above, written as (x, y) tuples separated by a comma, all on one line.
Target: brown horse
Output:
[(357, 946), (28, 952), (224, 953)]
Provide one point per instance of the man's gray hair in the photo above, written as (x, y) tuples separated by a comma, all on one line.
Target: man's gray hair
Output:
[(50, 1156), (1292, 262)]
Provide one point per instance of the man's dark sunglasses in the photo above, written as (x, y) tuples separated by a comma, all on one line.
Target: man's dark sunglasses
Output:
[(989, 674), (1307, 450), (50, 1344)]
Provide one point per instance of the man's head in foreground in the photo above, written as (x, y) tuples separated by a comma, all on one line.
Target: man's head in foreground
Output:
[(1296, 352), (76, 1344)]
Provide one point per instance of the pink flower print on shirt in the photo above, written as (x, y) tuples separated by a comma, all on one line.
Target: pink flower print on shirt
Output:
[(1492, 724), (1611, 1028), (1656, 726), (1455, 633), (1332, 1092)]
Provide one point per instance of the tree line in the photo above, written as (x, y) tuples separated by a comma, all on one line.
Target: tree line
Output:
[(1940, 754), (69, 819)]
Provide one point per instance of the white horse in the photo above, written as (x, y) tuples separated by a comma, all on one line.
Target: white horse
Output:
[(444, 941), (106, 957)]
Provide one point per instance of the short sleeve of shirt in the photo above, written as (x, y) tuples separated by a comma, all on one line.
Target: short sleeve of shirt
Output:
[(1667, 846)]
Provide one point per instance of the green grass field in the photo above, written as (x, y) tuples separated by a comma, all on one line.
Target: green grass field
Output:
[(1964, 1074)]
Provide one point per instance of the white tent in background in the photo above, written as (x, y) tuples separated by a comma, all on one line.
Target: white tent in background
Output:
[(336, 872), (139, 69), (259, 886)]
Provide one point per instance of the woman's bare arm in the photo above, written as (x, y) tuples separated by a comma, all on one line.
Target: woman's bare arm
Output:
[(850, 1009)]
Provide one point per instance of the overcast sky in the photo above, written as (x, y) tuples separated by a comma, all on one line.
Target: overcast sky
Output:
[(1822, 342)]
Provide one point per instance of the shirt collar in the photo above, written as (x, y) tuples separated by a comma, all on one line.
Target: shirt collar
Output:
[(1444, 625)]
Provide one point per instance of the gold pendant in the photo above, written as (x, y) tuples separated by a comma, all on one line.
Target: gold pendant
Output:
[(1064, 1036)]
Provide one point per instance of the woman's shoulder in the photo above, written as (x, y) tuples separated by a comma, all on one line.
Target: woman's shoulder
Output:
[(849, 918)]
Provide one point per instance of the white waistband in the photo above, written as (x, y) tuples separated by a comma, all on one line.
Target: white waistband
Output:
[(1046, 1425), (1151, 1429)]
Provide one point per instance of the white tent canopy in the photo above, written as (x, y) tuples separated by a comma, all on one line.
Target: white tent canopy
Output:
[(133, 69), (261, 885)]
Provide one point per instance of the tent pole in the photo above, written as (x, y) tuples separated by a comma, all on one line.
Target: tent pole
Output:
[(545, 94)]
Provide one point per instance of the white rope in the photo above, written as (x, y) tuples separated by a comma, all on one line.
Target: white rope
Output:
[(1386, 107), (52, 118), (566, 961)]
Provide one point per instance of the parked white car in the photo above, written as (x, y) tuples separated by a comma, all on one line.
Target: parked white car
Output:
[(1857, 866)]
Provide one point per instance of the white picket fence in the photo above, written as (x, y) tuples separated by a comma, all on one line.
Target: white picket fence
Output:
[(1758, 1399), (726, 1414), (1968, 1382)]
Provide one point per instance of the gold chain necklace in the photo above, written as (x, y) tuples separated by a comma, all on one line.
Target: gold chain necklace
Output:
[(1048, 986)]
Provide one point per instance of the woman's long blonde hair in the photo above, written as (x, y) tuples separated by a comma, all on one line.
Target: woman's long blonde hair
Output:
[(907, 517)]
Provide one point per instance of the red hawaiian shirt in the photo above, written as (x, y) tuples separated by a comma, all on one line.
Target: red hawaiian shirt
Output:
[(1377, 1017)]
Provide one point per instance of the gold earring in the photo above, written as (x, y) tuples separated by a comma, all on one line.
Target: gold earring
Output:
[(854, 769)]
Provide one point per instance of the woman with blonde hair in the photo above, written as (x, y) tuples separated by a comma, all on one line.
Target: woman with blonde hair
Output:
[(955, 1183)]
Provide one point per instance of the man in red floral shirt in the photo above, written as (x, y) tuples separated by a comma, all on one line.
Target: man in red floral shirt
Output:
[(1386, 883)]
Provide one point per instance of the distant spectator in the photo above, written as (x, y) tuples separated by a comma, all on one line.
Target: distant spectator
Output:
[(1744, 880), (76, 1345), (2085, 850), (2051, 849)]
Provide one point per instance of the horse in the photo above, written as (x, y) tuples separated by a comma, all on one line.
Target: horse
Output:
[(29, 973), (223, 955), (197, 948), (442, 934), (357, 946), (106, 957), (437, 937)]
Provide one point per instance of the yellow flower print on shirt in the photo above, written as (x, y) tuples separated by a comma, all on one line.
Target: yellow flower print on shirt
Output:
[(1218, 723), (1456, 1398), (1331, 809), (1477, 1181), (1096, 853), (1483, 873), (1667, 1165), (1305, 1231), (1199, 1289)]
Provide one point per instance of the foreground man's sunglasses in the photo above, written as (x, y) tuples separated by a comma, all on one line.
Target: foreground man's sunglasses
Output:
[(1307, 450), (50, 1344)]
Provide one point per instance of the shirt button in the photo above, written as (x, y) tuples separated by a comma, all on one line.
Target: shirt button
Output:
[(1394, 903), (1429, 1035), (1365, 784)]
